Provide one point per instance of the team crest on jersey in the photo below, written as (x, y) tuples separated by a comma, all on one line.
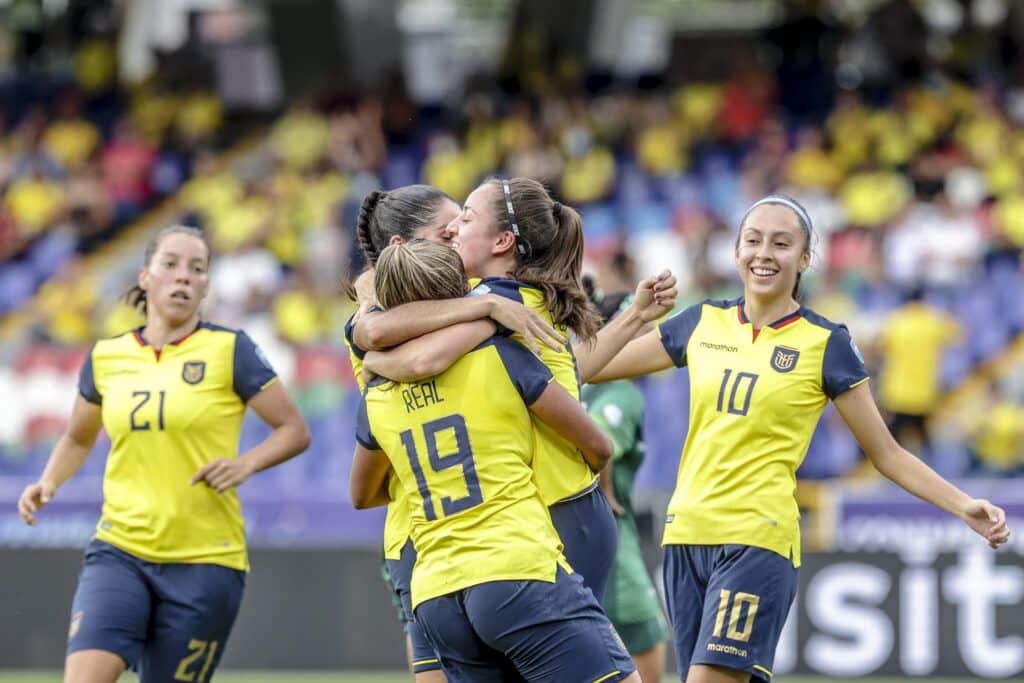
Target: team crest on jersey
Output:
[(784, 358), (193, 371), (76, 621)]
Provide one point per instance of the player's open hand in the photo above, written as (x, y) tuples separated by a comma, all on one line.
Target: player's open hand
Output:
[(33, 498), (987, 520), (655, 296), (526, 322), (223, 473)]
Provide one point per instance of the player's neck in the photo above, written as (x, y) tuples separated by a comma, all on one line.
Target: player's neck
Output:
[(158, 332), (499, 268), (763, 312)]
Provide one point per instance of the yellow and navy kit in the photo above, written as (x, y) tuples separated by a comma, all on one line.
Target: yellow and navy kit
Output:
[(460, 446), (559, 468), (396, 521), (755, 399), (168, 413)]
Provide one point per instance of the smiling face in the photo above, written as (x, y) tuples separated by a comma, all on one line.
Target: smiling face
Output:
[(175, 279), (772, 250), (475, 238)]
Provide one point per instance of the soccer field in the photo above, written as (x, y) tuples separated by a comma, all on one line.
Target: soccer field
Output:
[(378, 677)]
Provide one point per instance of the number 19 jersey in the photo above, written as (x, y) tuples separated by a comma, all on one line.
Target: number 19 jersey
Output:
[(460, 445), (755, 400)]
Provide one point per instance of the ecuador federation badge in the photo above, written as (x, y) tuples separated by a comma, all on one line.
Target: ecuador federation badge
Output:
[(193, 371), (784, 358)]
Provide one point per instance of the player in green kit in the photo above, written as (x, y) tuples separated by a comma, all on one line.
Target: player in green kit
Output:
[(631, 601)]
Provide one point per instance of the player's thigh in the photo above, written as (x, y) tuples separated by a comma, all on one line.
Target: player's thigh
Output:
[(686, 570), (111, 608), (586, 526), (550, 631), (93, 666), (748, 600), (194, 610), (463, 655)]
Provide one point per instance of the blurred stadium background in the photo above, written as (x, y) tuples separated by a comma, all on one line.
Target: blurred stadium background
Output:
[(898, 123)]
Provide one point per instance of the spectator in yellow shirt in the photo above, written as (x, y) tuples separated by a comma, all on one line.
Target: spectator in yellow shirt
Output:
[(70, 139), (913, 340), (34, 202)]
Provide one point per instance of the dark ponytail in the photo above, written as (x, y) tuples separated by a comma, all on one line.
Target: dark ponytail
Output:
[(552, 236), (136, 295), (400, 212), (364, 229)]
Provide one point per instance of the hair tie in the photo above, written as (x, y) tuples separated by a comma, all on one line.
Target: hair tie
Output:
[(805, 218), (513, 223), (556, 209)]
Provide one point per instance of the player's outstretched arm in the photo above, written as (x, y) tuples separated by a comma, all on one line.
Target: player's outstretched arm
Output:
[(290, 436), (67, 457), (368, 480), (383, 329), (560, 411), (858, 409), (654, 297), (639, 357), (430, 354)]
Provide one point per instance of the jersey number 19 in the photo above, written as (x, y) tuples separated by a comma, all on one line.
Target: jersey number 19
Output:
[(462, 457)]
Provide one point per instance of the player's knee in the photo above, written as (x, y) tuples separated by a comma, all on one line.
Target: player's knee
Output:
[(431, 677), (93, 666)]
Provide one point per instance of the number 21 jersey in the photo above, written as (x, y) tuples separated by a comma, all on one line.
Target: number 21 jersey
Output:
[(168, 413)]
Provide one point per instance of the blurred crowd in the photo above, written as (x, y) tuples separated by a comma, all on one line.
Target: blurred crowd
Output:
[(918, 203)]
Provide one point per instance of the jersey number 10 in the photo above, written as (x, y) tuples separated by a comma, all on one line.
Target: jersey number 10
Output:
[(463, 457), (740, 391)]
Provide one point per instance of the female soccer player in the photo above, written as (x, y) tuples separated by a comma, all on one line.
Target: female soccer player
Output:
[(529, 248), (163, 576), (762, 368), (631, 601), (396, 217), (490, 585)]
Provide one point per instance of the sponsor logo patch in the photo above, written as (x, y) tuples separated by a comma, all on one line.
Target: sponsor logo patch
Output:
[(76, 622)]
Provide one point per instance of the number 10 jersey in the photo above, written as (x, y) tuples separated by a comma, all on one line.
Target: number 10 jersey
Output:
[(461, 445), (755, 399)]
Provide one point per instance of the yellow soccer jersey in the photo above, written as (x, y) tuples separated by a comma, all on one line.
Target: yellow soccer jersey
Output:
[(168, 413), (559, 468), (460, 447), (396, 522), (754, 403)]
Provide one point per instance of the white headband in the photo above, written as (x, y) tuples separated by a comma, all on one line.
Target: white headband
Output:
[(805, 218)]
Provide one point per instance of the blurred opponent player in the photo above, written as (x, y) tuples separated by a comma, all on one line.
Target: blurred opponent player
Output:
[(528, 248), (396, 217), (164, 574), (762, 369), (631, 601), (490, 585)]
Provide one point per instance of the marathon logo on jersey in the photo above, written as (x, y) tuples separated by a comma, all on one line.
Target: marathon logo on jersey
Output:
[(784, 358), (193, 371)]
